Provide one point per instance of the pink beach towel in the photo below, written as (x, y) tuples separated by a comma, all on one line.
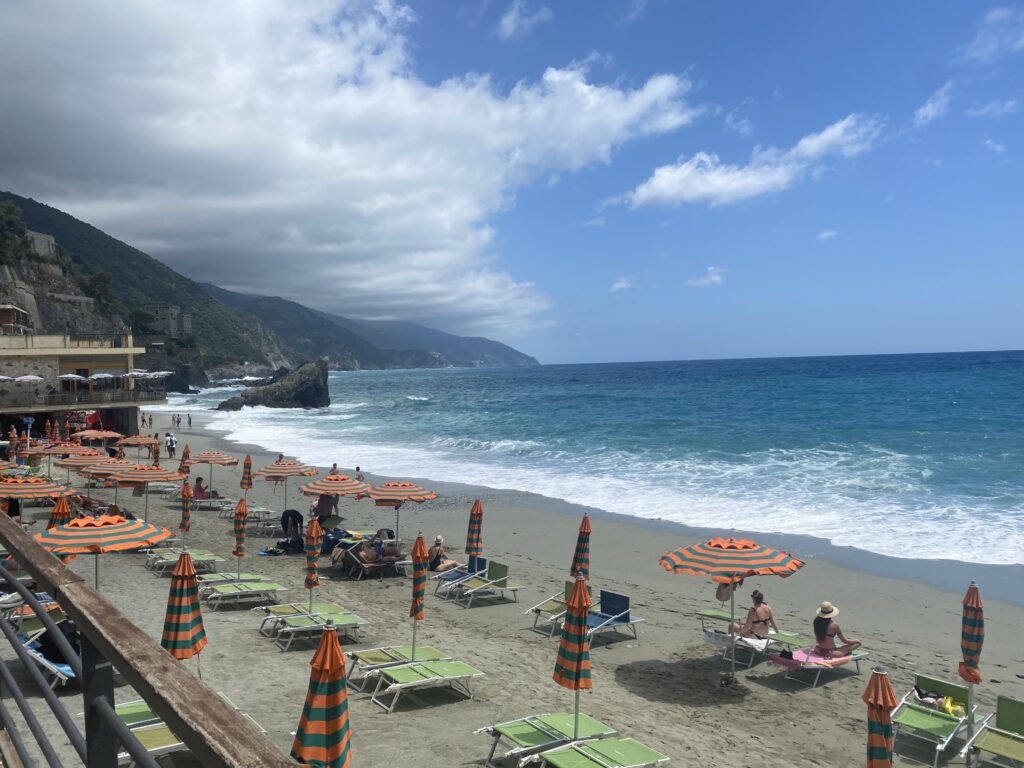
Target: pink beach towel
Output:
[(807, 657)]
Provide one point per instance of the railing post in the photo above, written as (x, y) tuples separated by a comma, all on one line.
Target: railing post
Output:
[(97, 684)]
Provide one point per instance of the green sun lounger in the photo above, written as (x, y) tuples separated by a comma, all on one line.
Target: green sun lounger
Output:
[(275, 614), (138, 712), (537, 733), (209, 579), (163, 564), (603, 753), (931, 725), (292, 628), (712, 614), (1000, 738), (238, 594), (372, 659), (495, 583), (552, 610), (158, 739), (395, 681)]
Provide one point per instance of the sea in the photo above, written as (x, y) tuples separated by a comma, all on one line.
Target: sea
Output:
[(912, 456)]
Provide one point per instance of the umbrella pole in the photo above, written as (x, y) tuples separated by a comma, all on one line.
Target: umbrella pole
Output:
[(576, 720), (732, 620), (969, 758), (199, 668), (209, 490), (96, 561), (145, 493), (413, 654)]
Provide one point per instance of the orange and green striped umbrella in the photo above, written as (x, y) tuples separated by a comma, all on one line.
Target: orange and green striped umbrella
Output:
[(62, 449), (972, 634), (33, 488), (186, 454), (335, 485), (572, 667), (246, 482), (580, 567), (395, 494), (6, 465), (881, 702), (48, 431), (86, 457), (60, 514), (137, 441), (314, 540), (322, 738), (474, 539), (142, 474), (184, 635), (282, 469), (96, 434), (186, 508), (417, 611), (213, 458), (241, 518)]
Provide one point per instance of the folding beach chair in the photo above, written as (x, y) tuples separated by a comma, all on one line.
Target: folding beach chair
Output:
[(603, 753), (162, 564), (395, 681), (495, 583), (241, 593), (158, 739), (716, 615), (292, 628), (372, 659), (537, 733), (476, 566), (936, 727), (748, 649), (57, 674), (611, 615), (273, 615), (1001, 743), (808, 660), (552, 609), (357, 568), (210, 579)]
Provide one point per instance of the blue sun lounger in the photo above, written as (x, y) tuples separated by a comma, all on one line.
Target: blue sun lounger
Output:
[(612, 615)]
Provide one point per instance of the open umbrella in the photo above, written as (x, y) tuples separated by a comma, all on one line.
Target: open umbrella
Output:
[(972, 637), (33, 488), (580, 567), (334, 485), (282, 469), (417, 611), (213, 458), (184, 635), (394, 494), (322, 738), (241, 518), (139, 442), (144, 474), (79, 461), (314, 540), (881, 702), (246, 482), (474, 540), (572, 667), (63, 449), (104, 468), (728, 561), (95, 535)]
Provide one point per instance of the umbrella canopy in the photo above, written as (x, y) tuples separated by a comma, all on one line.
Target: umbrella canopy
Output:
[(580, 567), (881, 702), (395, 494), (67, 449), (184, 635), (282, 469), (241, 517), (107, 467), (314, 540), (94, 434), (5, 465), (33, 488), (246, 482), (322, 738), (186, 508), (28, 378), (184, 466), (141, 474), (572, 666), (138, 441), (474, 539), (60, 513), (335, 485), (219, 458), (972, 634), (186, 454)]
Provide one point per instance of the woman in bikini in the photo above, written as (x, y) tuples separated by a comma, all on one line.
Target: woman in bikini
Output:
[(826, 631), (759, 619)]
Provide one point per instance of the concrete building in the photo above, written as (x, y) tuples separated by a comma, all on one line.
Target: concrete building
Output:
[(43, 245), (169, 320), (14, 321)]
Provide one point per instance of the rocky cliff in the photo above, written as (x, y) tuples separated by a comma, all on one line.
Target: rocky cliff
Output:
[(305, 387)]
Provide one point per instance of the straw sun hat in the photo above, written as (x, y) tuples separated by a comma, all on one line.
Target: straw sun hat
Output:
[(827, 611)]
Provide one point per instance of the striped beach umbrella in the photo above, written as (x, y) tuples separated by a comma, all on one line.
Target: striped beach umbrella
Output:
[(102, 470), (728, 561), (138, 442), (186, 454), (881, 702), (80, 460), (95, 434), (184, 635), (417, 611), (186, 508), (48, 431), (213, 458), (241, 518), (572, 667), (95, 535), (972, 637), (282, 469), (143, 474), (335, 485), (60, 514), (474, 538), (33, 488), (322, 738), (246, 482), (62, 449), (580, 567), (314, 540), (395, 494)]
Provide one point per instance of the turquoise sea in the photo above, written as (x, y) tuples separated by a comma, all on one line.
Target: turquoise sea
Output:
[(906, 455)]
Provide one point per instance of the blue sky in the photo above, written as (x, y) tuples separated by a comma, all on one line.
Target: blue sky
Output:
[(586, 181)]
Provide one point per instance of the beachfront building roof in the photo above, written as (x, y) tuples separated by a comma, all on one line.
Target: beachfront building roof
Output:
[(14, 321)]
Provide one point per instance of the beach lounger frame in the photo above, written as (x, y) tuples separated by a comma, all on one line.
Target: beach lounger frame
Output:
[(388, 682), (289, 630), (548, 725), (273, 615), (495, 583), (58, 675), (792, 671), (1001, 744), (612, 615), (357, 568), (603, 753), (751, 652), (241, 593), (358, 674), (163, 564), (552, 610), (448, 580), (926, 724), (228, 577)]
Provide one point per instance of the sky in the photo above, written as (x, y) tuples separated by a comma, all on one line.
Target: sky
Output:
[(587, 181)]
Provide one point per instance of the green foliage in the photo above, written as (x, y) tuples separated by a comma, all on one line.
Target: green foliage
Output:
[(14, 242), (98, 286)]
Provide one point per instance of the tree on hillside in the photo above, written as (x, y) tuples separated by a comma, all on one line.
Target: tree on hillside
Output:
[(14, 242)]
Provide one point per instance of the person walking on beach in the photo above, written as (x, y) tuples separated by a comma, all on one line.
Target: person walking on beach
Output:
[(190, 421), (359, 475)]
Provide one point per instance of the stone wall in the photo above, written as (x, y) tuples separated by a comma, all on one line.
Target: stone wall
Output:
[(13, 393)]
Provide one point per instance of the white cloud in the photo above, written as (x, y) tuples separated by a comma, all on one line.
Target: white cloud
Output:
[(597, 221), (995, 146), (519, 21), (713, 276), (703, 178), (827, 234), (634, 10), (996, 109), (622, 284), (1000, 33), (936, 106), (736, 123), (290, 148)]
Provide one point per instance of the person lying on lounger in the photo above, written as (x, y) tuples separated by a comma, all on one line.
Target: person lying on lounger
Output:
[(826, 631), (759, 619)]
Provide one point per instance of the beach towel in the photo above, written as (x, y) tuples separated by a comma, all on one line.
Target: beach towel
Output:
[(725, 640), (805, 656)]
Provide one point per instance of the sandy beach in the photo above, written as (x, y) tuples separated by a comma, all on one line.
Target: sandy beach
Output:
[(663, 690)]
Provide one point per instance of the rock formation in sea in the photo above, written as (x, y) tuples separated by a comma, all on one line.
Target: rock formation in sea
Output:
[(304, 387)]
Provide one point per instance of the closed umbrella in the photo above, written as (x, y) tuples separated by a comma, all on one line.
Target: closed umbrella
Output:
[(474, 539), (572, 667), (144, 474), (394, 494), (184, 635), (186, 509), (213, 458), (881, 702), (186, 454), (729, 561), (246, 482), (95, 535), (322, 738), (282, 469), (59, 515), (241, 518), (972, 637), (580, 567), (314, 541), (417, 611)]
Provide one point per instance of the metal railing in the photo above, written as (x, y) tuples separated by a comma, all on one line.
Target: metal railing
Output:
[(204, 722), (45, 342), (84, 397)]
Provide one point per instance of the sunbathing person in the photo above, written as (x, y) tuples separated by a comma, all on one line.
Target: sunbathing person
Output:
[(437, 558), (375, 556), (201, 493), (826, 631), (759, 619)]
